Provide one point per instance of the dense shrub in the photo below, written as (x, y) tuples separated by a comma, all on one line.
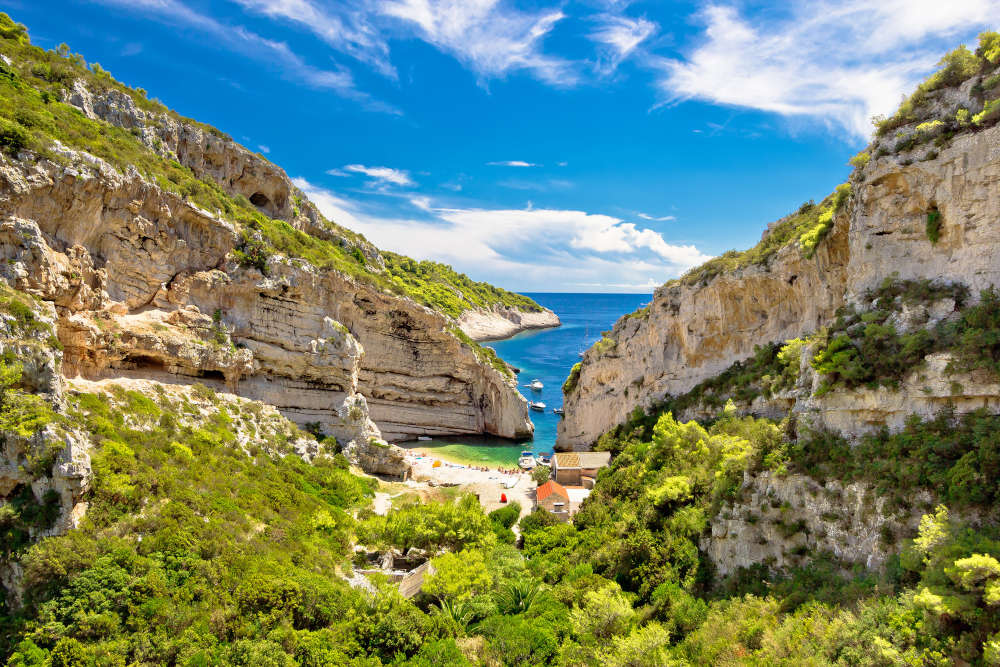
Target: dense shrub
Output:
[(933, 227)]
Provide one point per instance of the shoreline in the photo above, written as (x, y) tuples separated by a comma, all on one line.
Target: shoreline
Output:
[(483, 325), (488, 485)]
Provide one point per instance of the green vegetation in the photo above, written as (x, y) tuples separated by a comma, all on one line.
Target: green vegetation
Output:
[(193, 550), (32, 118), (773, 368), (569, 386), (933, 605), (485, 354), (241, 550), (955, 67), (861, 348), (933, 226), (541, 474), (860, 161), (21, 414), (808, 226), (955, 458), (864, 349), (208, 541)]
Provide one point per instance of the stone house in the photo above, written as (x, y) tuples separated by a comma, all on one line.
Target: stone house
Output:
[(554, 498), (579, 468)]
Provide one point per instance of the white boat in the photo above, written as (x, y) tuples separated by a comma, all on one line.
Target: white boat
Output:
[(424, 438), (527, 461), (544, 459), (558, 411), (536, 385), (537, 406)]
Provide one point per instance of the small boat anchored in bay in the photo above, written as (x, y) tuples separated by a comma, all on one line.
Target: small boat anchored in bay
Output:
[(535, 385), (527, 461), (537, 406)]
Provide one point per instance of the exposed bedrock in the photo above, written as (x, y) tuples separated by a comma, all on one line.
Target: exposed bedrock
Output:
[(143, 288), (694, 332)]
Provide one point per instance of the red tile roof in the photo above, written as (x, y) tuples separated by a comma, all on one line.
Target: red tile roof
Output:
[(550, 487)]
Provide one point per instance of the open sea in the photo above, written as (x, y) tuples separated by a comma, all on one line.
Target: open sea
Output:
[(545, 354)]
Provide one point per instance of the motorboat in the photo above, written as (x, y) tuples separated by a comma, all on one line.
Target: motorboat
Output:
[(535, 385), (544, 459), (424, 438), (537, 406), (558, 411), (527, 461)]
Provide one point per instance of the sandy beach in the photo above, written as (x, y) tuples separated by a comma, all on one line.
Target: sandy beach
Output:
[(488, 485)]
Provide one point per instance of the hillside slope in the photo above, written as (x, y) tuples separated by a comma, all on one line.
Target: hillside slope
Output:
[(173, 253)]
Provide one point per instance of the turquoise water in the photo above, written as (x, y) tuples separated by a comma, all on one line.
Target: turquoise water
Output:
[(549, 354), (545, 354)]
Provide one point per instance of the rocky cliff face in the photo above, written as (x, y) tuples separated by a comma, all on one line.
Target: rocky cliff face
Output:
[(691, 333), (503, 321), (144, 286), (782, 521)]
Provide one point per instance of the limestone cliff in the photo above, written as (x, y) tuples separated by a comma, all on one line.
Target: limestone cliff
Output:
[(483, 324), (691, 332), (146, 283)]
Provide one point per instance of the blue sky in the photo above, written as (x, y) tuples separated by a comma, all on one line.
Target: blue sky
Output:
[(545, 145)]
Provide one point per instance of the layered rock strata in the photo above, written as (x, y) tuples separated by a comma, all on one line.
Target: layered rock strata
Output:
[(144, 286)]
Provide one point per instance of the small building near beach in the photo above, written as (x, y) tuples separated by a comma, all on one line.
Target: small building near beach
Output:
[(579, 468), (554, 498)]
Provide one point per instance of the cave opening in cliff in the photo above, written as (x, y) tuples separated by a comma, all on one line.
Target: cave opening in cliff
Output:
[(141, 362), (212, 375), (259, 199)]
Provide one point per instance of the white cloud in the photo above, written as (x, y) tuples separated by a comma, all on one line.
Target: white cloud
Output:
[(423, 203), (512, 163), (251, 45), (264, 149), (619, 36), (381, 175), (522, 248), (488, 36), (348, 30), (132, 49), (646, 216), (841, 61)]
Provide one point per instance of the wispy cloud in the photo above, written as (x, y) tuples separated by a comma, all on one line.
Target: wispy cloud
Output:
[(562, 249), (382, 175), (251, 45), (619, 37), (264, 149), (132, 49), (346, 28), (538, 185), (646, 216), (842, 61), (512, 163), (490, 37)]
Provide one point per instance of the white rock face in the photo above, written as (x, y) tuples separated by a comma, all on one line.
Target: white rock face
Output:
[(783, 520), (504, 321), (692, 333), (143, 288)]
